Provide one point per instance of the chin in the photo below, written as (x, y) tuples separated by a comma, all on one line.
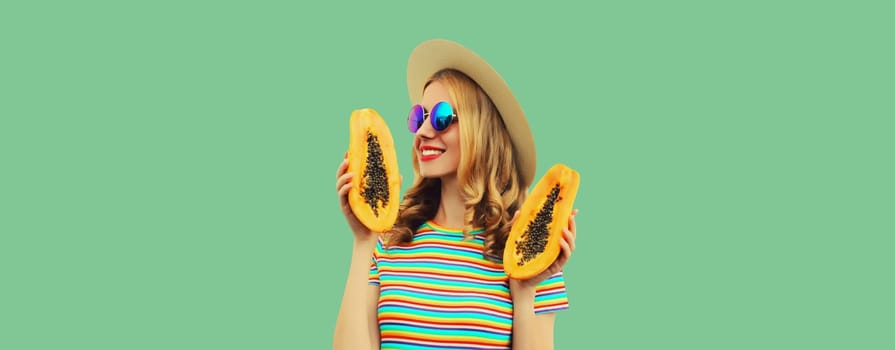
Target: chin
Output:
[(434, 173), (429, 174)]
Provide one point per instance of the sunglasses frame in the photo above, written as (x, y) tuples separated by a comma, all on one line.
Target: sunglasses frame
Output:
[(426, 115)]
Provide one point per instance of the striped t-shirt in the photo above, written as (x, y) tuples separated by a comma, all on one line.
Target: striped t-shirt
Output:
[(438, 292)]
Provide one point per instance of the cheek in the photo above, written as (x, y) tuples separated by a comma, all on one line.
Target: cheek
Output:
[(452, 138), (416, 144), (455, 144)]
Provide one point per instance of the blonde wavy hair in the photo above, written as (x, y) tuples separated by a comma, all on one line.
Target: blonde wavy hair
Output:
[(487, 174)]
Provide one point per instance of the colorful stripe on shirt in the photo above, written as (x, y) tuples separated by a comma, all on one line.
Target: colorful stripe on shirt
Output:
[(438, 292)]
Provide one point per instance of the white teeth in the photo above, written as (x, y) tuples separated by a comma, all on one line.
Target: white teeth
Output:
[(431, 152)]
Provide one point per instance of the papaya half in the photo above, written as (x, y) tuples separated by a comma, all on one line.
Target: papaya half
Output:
[(371, 158), (533, 243)]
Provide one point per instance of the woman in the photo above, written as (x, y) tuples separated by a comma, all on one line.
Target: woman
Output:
[(436, 280)]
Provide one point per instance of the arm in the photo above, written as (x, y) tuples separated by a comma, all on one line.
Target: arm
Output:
[(357, 326), (530, 331)]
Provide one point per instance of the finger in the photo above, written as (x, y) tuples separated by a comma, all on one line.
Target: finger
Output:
[(515, 216), (572, 230), (569, 238), (566, 250), (345, 178), (342, 168), (344, 190), (557, 265), (572, 226)]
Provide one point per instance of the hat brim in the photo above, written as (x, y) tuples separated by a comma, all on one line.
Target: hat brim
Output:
[(432, 56)]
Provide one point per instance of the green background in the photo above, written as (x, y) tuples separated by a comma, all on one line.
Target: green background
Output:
[(168, 167)]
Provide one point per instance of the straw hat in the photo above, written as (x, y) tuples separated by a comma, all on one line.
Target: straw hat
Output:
[(432, 56)]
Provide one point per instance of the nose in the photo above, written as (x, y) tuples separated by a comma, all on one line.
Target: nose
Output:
[(426, 130)]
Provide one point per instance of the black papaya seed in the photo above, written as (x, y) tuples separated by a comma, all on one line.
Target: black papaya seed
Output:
[(534, 240), (375, 186)]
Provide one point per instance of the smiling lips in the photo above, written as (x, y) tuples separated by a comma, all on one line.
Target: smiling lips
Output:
[(429, 153)]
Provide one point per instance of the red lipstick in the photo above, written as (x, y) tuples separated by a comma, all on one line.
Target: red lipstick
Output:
[(431, 155)]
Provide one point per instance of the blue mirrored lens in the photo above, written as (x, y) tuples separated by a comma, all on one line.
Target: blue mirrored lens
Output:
[(442, 115), (415, 119)]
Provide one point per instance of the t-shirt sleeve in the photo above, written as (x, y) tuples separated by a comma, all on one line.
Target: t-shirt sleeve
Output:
[(373, 279), (550, 295)]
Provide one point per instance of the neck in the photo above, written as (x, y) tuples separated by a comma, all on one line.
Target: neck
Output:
[(451, 209)]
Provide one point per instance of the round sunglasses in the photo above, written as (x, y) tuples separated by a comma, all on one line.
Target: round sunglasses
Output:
[(441, 117)]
